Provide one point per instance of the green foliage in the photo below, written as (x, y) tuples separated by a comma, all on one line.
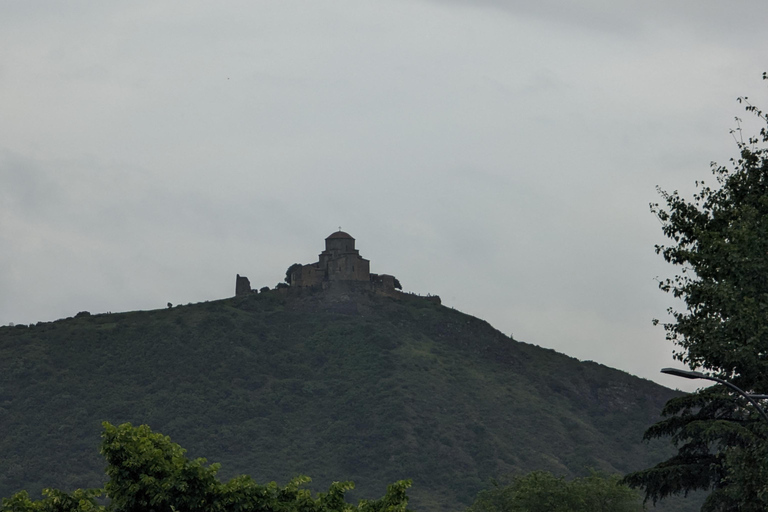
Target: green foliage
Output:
[(81, 500), (706, 427), (290, 270), (147, 472), (720, 239), (541, 491)]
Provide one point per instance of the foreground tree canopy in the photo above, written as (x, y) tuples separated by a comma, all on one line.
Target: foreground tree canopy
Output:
[(720, 241), (148, 472), (541, 491)]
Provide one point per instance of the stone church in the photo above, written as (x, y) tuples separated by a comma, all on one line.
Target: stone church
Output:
[(339, 262)]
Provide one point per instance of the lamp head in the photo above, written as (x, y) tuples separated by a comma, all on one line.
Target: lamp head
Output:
[(687, 374)]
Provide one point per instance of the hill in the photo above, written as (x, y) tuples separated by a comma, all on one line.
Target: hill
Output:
[(335, 384)]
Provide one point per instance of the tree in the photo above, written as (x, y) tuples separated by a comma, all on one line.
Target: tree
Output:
[(148, 472), (541, 491), (81, 500), (720, 241), (295, 266)]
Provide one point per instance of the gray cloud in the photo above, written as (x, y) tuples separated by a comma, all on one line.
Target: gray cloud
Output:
[(734, 22), (151, 151)]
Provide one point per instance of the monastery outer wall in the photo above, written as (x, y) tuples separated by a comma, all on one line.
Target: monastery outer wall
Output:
[(349, 267), (308, 275)]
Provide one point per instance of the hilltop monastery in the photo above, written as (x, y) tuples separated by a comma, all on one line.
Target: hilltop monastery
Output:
[(339, 263)]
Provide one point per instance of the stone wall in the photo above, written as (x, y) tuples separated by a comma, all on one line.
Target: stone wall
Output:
[(348, 267), (308, 275)]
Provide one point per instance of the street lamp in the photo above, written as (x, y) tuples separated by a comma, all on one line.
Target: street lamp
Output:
[(687, 374)]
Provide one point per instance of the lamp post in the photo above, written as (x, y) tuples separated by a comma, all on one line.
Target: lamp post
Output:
[(687, 374)]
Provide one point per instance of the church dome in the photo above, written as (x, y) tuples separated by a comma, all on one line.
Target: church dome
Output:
[(339, 234)]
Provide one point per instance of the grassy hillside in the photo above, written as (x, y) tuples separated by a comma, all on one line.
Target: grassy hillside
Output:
[(335, 385)]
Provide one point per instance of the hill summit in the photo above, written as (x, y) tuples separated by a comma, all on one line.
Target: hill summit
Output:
[(332, 379)]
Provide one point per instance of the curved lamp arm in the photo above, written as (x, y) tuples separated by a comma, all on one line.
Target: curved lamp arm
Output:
[(687, 374)]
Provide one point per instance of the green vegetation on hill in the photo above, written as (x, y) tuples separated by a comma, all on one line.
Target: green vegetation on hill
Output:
[(148, 472), (336, 384), (541, 491)]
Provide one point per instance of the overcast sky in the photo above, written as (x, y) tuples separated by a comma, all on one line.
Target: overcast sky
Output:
[(500, 154)]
